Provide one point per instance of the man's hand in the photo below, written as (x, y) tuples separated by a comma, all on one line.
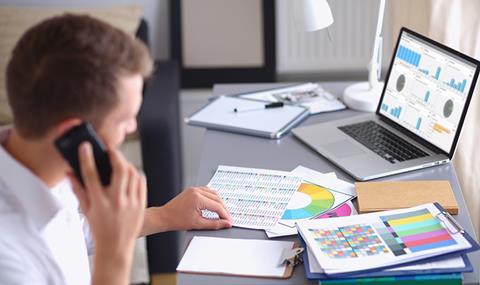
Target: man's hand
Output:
[(184, 212), (115, 213)]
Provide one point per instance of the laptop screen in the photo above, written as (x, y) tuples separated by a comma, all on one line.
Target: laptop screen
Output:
[(427, 90)]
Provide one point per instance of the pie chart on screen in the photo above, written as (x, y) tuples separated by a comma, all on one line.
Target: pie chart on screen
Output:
[(309, 201)]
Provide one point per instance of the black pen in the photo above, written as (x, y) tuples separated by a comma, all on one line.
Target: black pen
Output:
[(266, 106)]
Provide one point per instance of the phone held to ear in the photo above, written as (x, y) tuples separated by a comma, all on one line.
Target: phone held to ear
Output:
[(69, 143)]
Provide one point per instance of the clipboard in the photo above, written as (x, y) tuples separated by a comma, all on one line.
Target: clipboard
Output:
[(257, 121), (284, 261), (383, 273), (444, 217)]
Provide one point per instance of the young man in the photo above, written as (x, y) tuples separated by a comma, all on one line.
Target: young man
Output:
[(64, 71)]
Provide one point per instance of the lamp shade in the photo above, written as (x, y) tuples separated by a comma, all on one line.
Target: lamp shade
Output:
[(312, 15)]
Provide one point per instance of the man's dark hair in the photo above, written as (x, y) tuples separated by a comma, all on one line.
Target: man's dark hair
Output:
[(69, 66)]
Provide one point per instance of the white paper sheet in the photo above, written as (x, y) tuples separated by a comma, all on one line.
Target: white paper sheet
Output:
[(332, 183), (280, 230), (344, 192), (455, 262), (255, 198), (340, 190), (234, 256), (221, 113), (310, 95)]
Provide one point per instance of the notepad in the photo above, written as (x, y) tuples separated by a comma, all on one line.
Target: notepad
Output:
[(271, 123), (380, 196), (240, 257)]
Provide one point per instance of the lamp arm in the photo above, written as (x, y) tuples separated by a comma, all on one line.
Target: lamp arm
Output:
[(375, 65)]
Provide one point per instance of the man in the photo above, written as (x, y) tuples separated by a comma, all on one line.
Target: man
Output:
[(64, 71)]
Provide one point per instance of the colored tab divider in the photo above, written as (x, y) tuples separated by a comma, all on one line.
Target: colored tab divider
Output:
[(433, 245), (414, 231), (416, 226), (417, 239), (410, 220)]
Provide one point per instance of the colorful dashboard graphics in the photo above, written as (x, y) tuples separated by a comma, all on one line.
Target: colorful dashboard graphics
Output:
[(309, 201), (427, 90)]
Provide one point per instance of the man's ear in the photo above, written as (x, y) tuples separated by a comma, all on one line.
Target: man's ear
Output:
[(65, 125)]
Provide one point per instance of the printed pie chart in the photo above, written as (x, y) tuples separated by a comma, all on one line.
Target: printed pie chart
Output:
[(309, 201), (341, 211)]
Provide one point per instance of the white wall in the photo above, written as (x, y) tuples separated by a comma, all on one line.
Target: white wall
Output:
[(156, 12)]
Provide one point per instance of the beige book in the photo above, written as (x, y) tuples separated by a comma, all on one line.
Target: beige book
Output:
[(380, 196)]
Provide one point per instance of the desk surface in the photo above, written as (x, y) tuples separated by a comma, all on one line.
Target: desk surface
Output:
[(286, 154)]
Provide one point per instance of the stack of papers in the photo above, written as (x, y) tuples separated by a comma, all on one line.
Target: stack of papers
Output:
[(276, 200), (417, 240), (421, 240), (310, 95), (321, 195), (255, 198)]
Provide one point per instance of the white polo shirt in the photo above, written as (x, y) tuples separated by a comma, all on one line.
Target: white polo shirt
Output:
[(42, 234)]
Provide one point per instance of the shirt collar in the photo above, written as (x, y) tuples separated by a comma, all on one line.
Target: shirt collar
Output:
[(32, 194)]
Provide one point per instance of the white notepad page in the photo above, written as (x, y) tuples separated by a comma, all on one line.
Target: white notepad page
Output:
[(246, 257), (220, 112)]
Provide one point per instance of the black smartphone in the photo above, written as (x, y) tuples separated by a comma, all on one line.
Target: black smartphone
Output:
[(68, 145)]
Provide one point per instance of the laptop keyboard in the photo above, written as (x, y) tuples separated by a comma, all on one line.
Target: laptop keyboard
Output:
[(382, 141)]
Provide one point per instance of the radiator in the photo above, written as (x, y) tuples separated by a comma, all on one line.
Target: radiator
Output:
[(348, 48)]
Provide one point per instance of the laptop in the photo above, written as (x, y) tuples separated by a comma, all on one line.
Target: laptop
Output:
[(418, 120)]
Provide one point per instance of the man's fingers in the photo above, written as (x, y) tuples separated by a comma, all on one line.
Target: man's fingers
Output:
[(215, 206), (214, 196), (133, 183), (81, 194), (120, 174), (209, 190), (215, 224), (89, 170), (142, 191)]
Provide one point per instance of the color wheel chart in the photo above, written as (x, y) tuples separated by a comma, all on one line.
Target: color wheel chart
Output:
[(309, 201), (342, 211), (413, 232)]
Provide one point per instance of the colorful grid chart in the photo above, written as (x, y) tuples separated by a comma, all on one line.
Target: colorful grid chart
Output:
[(349, 242), (320, 200), (413, 232)]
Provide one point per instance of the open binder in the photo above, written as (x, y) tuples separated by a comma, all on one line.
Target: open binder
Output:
[(443, 217), (385, 273)]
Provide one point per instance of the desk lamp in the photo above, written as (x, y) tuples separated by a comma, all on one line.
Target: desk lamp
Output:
[(313, 15)]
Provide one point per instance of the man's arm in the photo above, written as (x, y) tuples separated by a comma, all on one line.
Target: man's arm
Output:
[(184, 212)]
